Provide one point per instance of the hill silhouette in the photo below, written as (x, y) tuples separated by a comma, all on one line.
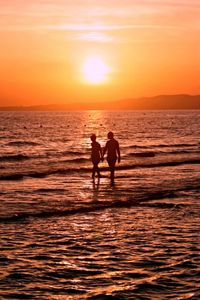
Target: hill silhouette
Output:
[(161, 102)]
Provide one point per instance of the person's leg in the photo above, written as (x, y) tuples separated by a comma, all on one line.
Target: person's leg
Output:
[(111, 164), (96, 167), (93, 171), (98, 171), (112, 173)]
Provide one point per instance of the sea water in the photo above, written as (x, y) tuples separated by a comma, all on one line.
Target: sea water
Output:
[(64, 236)]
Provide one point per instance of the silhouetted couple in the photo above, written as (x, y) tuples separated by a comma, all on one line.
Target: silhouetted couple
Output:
[(113, 154)]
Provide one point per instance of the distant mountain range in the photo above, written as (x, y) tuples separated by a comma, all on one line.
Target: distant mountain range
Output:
[(166, 102)]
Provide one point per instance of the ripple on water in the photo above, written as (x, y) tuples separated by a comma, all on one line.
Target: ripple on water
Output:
[(121, 254)]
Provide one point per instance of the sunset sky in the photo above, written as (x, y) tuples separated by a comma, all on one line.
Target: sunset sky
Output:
[(98, 50)]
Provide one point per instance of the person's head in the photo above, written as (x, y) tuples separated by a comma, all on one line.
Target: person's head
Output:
[(93, 137), (110, 135)]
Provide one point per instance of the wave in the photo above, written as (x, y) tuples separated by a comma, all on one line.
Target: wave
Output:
[(72, 153), (143, 199), (17, 157), (154, 153), (81, 160), (181, 152), (41, 174), (93, 207), (139, 147), (163, 146), (77, 160), (49, 190), (175, 145), (143, 154), (22, 143)]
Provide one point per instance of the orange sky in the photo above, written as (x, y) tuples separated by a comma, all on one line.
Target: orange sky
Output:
[(150, 47)]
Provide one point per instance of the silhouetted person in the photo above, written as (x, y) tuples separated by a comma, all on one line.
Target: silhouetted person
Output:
[(113, 153), (96, 155)]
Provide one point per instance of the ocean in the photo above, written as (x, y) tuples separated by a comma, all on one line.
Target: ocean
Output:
[(63, 236)]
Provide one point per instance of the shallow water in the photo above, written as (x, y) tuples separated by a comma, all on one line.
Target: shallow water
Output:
[(65, 237)]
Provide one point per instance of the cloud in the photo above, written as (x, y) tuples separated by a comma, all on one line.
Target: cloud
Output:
[(112, 27), (93, 19)]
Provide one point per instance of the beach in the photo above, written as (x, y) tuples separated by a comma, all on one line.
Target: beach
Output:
[(64, 236)]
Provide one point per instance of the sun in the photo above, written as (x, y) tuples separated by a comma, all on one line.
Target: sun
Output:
[(95, 70)]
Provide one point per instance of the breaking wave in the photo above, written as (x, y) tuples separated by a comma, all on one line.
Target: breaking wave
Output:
[(68, 170)]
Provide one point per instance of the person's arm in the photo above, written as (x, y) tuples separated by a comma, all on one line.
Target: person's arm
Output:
[(105, 150), (118, 153), (101, 152)]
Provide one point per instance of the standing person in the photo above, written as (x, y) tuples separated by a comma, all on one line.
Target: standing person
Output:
[(96, 156), (113, 153)]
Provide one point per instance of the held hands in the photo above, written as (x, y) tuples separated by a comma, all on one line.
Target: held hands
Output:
[(119, 159)]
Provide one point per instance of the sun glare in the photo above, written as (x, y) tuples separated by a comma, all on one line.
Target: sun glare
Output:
[(95, 70)]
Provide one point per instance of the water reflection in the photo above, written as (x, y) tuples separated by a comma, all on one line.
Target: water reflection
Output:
[(95, 194)]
